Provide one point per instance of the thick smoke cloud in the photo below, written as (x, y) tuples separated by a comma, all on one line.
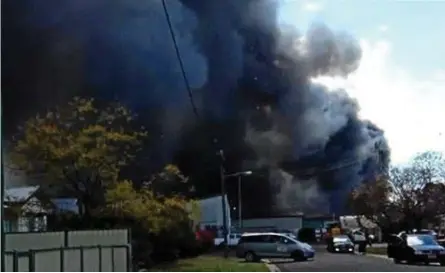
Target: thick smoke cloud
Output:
[(242, 66)]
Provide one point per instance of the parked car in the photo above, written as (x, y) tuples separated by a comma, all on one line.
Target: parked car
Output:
[(254, 246), (232, 239), (341, 244), (415, 248)]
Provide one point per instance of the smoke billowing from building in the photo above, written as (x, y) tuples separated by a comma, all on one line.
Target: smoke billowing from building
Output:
[(242, 65)]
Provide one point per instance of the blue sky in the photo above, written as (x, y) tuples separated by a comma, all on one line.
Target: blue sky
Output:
[(400, 83)]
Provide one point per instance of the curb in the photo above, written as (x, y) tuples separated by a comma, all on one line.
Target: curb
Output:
[(270, 266), (378, 256)]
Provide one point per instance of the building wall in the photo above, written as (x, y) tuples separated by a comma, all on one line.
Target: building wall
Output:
[(211, 213), (291, 223), (26, 224)]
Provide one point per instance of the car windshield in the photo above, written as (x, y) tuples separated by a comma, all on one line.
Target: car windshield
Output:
[(341, 240), (421, 240)]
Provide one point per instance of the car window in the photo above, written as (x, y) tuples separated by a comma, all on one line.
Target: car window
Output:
[(274, 239), (252, 239), (232, 236), (286, 241), (342, 239), (421, 240)]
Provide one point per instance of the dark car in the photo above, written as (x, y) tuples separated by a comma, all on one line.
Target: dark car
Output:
[(340, 244), (415, 248)]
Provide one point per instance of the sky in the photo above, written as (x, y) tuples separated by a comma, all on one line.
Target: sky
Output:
[(400, 83)]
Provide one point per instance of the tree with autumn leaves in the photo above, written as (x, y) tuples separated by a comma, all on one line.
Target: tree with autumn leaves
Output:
[(408, 197), (80, 148)]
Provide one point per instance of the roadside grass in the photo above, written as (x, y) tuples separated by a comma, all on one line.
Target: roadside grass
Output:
[(376, 250), (211, 264)]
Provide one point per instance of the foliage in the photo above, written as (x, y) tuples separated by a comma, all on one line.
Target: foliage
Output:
[(409, 197), (164, 223), (372, 200), (155, 213), (418, 190), (79, 147), (170, 182)]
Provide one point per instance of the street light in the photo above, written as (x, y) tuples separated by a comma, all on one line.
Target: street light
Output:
[(223, 197), (240, 210), (246, 173)]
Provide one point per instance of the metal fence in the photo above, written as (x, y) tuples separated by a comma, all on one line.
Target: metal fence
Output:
[(112, 258), (24, 241), (80, 250)]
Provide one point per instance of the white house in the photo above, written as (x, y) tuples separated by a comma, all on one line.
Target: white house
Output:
[(23, 210)]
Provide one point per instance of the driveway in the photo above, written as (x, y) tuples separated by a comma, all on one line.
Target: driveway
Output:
[(330, 262)]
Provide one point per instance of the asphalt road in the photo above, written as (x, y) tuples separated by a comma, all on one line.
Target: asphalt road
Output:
[(330, 262)]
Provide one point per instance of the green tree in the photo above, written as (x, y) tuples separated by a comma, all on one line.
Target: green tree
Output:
[(78, 148), (154, 212), (170, 182)]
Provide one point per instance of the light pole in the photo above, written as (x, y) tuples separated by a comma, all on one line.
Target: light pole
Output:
[(240, 205), (2, 196), (223, 203), (223, 198)]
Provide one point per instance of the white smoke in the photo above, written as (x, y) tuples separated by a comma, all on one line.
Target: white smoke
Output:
[(293, 193)]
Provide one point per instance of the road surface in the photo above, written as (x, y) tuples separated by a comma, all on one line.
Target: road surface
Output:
[(329, 262)]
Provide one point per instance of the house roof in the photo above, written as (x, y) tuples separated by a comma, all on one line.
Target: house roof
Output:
[(66, 204), (20, 194)]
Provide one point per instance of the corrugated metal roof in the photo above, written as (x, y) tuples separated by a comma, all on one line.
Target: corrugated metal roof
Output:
[(66, 204), (20, 194)]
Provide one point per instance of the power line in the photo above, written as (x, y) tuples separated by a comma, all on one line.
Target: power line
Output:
[(190, 93), (214, 139), (178, 56)]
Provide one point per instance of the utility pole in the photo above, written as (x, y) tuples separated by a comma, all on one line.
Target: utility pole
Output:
[(223, 203), (240, 209), (2, 196)]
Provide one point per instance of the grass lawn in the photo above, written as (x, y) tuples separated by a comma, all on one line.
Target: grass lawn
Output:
[(212, 264), (376, 250)]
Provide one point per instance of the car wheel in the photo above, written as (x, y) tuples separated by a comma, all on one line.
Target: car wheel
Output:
[(427, 263), (250, 257), (396, 261), (442, 263)]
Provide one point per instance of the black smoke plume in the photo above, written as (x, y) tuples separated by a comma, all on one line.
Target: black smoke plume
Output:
[(251, 79)]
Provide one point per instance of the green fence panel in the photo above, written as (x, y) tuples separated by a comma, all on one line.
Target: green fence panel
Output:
[(91, 259), (107, 259), (90, 251), (72, 260), (23, 262), (98, 237), (23, 241), (48, 260), (9, 262), (120, 259)]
